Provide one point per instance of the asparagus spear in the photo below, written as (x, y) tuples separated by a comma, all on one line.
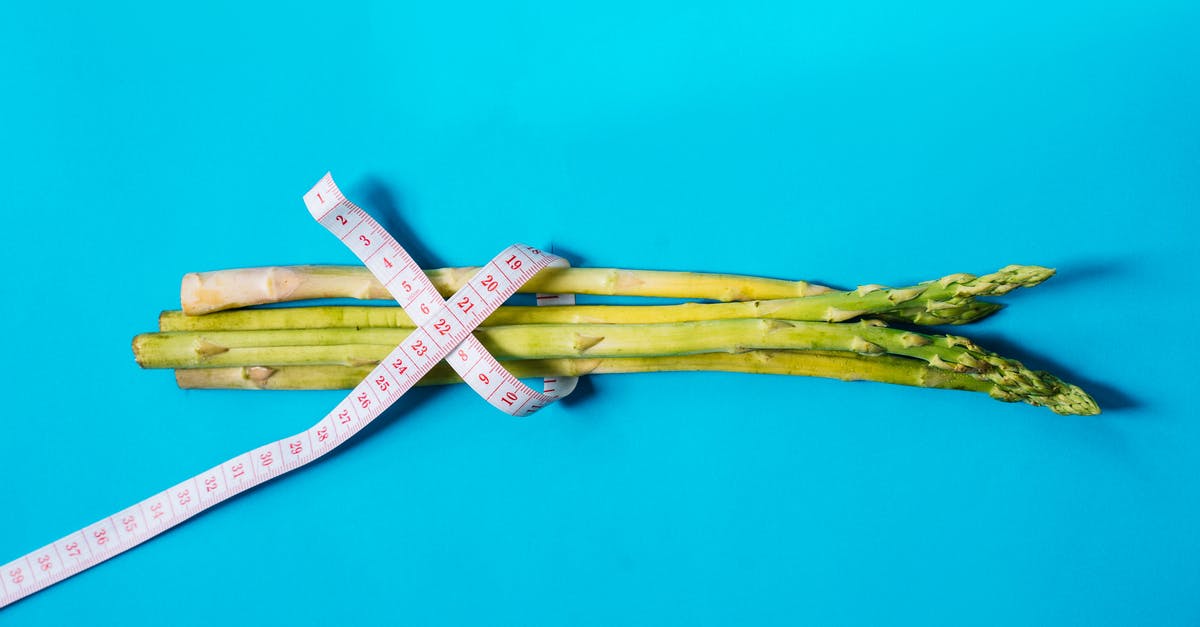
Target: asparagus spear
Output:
[(949, 300), (367, 346), (330, 316), (829, 364), (206, 292)]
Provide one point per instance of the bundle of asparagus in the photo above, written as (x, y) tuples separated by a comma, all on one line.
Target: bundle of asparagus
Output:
[(758, 325)]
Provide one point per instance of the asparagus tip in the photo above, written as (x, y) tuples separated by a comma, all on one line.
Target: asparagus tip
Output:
[(1016, 382), (1066, 399), (1073, 401), (1002, 281)]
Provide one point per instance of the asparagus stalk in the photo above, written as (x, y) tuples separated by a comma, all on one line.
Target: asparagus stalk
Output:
[(366, 346), (206, 292), (949, 300), (330, 316), (829, 364)]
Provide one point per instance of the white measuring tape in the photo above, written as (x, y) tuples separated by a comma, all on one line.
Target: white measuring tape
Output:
[(443, 332)]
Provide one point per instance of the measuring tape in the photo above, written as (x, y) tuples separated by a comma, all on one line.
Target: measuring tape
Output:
[(443, 332)]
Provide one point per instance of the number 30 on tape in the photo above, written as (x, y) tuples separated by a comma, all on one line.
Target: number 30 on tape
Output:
[(443, 332)]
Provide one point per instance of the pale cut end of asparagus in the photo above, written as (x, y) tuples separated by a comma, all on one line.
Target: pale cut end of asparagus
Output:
[(205, 292)]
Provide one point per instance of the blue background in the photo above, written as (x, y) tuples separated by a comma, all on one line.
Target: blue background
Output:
[(841, 142)]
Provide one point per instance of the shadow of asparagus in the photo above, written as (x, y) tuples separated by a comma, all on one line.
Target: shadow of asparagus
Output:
[(385, 205), (585, 390), (1085, 271), (577, 260)]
